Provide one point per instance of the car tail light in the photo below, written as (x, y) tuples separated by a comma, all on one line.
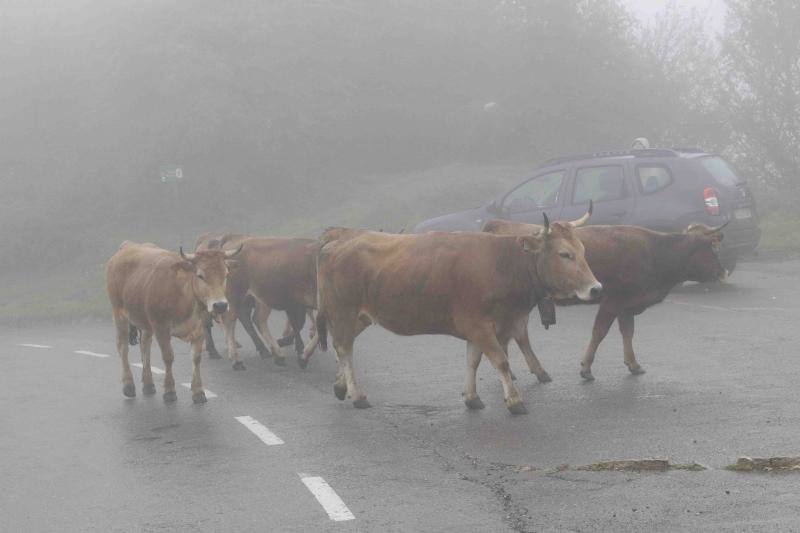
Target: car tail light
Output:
[(711, 201)]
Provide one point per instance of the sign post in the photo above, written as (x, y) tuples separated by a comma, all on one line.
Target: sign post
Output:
[(174, 175)]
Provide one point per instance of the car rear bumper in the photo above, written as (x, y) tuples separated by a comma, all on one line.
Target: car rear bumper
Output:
[(740, 239)]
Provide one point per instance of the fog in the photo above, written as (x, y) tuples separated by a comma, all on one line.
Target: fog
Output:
[(286, 117)]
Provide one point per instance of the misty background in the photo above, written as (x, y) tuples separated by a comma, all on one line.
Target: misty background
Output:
[(289, 116)]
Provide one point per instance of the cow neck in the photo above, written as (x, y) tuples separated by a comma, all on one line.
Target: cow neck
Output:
[(672, 262), (535, 279)]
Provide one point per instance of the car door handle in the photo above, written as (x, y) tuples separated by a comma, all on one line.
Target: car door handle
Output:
[(619, 214)]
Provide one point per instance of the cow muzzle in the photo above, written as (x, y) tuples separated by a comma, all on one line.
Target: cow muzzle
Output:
[(591, 292), (217, 307)]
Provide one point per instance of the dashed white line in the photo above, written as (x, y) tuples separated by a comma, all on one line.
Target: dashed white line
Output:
[(27, 345), (209, 394), (153, 369), (327, 498), (260, 430), (93, 354)]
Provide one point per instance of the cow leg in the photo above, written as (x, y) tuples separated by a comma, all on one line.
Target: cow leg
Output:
[(288, 335), (210, 346), (344, 332), (312, 328), (471, 398), (625, 321), (520, 333), (229, 325), (198, 394), (602, 322), (146, 342), (265, 352), (163, 340), (261, 322), (123, 337), (297, 318), (487, 342)]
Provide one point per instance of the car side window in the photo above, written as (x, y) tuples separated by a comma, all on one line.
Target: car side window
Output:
[(653, 178), (542, 191), (599, 184)]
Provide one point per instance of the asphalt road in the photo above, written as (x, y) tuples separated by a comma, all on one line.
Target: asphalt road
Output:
[(721, 382)]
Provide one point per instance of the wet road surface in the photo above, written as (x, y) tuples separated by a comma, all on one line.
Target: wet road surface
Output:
[(722, 372)]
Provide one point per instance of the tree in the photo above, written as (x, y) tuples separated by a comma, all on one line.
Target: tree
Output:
[(760, 61)]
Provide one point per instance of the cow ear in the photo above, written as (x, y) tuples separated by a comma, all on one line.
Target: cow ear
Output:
[(530, 243)]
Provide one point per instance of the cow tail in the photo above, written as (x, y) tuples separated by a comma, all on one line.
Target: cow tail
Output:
[(133, 335), (322, 330)]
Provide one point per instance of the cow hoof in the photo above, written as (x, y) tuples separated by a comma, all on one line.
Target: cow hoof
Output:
[(517, 409), (129, 390), (544, 377), (361, 403), (238, 345), (265, 355), (636, 371), (214, 355), (474, 403), (302, 362), (170, 396), (280, 361), (339, 391), (587, 375), (513, 376), (199, 397), (238, 365), (148, 389)]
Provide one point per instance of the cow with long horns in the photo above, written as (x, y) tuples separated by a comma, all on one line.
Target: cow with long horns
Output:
[(638, 268)]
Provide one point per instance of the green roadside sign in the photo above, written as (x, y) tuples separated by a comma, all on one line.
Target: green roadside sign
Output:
[(171, 173)]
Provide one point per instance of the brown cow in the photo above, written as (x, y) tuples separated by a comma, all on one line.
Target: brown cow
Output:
[(165, 295), (637, 267), (253, 314), (279, 273), (471, 286)]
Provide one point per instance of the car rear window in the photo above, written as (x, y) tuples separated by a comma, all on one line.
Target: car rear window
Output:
[(720, 170)]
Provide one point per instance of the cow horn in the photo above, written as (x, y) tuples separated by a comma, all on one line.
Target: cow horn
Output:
[(546, 224), (229, 255), (186, 257), (585, 218), (718, 228)]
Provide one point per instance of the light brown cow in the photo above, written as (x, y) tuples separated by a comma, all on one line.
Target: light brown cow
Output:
[(164, 294), (472, 286)]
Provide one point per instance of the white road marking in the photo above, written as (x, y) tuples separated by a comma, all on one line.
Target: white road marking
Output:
[(209, 394), (260, 430), (153, 369), (35, 345), (734, 309), (327, 498), (93, 354)]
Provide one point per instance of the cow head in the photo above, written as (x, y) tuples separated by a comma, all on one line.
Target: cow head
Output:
[(560, 262), (703, 263), (210, 272)]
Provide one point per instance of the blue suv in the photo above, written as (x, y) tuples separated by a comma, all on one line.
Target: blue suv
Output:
[(660, 189)]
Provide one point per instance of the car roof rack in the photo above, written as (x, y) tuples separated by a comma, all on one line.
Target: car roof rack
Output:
[(690, 150), (648, 152)]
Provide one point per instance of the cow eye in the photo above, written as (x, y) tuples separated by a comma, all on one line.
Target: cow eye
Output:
[(565, 255), (201, 276)]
